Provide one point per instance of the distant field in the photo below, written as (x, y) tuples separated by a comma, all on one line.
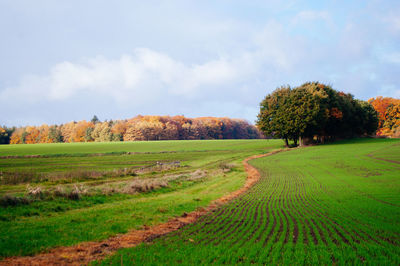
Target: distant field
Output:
[(136, 146), (78, 192), (328, 204), (78, 162)]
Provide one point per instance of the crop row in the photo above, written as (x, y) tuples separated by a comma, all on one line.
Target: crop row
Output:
[(289, 216), (321, 205)]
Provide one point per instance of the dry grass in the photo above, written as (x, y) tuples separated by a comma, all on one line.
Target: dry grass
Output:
[(23, 177), (159, 167), (139, 185), (226, 167), (13, 178), (75, 192), (34, 191), (197, 175)]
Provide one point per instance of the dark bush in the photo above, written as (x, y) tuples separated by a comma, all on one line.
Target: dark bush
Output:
[(10, 200)]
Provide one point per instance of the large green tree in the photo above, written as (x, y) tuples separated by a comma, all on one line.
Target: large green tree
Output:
[(314, 110), (5, 134), (289, 113), (55, 134), (271, 119)]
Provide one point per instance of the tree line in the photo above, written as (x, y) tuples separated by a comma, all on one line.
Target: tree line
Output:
[(315, 112), (135, 129), (389, 116)]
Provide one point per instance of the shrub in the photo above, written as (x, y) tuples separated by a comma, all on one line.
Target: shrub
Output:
[(73, 194), (10, 200), (76, 192)]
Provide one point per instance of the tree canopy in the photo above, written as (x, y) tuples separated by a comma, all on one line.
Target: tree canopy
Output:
[(389, 115), (138, 128), (314, 111)]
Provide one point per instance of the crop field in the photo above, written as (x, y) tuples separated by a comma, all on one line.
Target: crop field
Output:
[(327, 204), (63, 194)]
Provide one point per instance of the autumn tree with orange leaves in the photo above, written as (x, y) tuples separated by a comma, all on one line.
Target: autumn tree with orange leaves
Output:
[(139, 128), (389, 115)]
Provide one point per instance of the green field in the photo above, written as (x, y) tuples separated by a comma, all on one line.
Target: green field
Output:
[(139, 146), (336, 203), (175, 176), (328, 204)]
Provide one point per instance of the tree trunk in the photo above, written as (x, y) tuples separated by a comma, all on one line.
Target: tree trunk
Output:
[(295, 142), (286, 142)]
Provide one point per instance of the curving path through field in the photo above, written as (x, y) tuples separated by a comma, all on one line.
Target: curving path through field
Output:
[(320, 205), (86, 252)]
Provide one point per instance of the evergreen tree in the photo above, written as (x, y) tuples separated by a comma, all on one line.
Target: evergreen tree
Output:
[(95, 120)]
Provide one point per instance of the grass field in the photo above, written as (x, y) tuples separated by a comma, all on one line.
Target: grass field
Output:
[(328, 204), (63, 194), (140, 146)]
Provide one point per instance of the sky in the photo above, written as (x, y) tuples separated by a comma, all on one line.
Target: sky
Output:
[(71, 59)]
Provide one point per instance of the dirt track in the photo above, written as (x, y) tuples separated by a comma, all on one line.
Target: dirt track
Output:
[(85, 252)]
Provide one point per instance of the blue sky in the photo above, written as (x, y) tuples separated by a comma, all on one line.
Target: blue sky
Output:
[(68, 60)]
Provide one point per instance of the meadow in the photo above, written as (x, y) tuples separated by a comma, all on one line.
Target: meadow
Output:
[(330, 204), (63, 194)]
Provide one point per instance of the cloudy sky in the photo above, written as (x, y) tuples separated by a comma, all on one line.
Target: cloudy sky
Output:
[(70, 59)]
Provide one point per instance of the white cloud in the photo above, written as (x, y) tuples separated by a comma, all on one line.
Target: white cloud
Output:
[(392, 20), (146, 72), (312, 19), (310, 16), (277, 48), (354, 43), (213, 63), (391, 57)]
